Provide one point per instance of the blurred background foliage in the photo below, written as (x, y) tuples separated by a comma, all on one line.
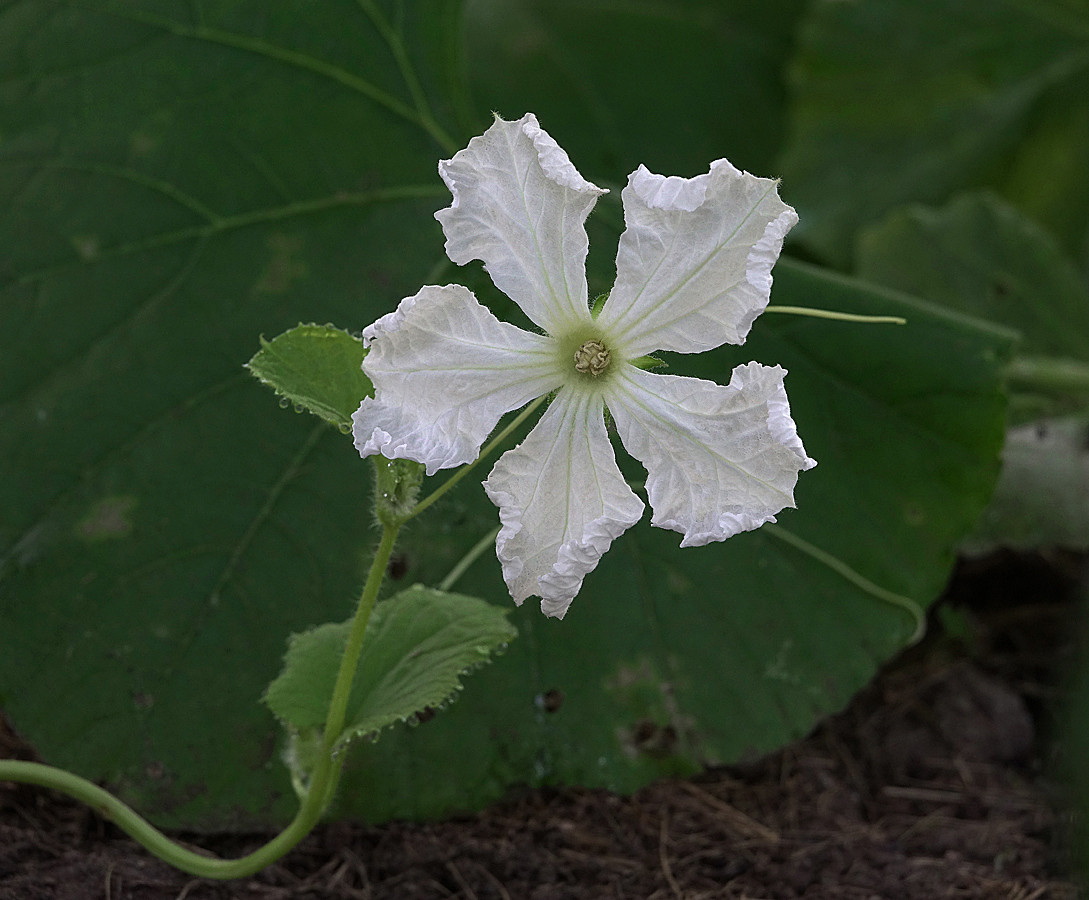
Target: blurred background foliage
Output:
[(179, 178)]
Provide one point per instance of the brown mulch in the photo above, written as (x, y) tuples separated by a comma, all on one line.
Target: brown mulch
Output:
[(936, 782)]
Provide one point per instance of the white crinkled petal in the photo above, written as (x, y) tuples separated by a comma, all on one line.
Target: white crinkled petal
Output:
[(562, 501), (444, 371), (519, 205), (720, 460), (694, 266)]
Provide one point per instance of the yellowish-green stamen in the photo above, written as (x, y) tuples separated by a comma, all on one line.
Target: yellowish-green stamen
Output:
[(592, 358)]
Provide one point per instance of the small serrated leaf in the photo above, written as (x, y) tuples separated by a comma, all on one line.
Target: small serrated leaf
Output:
[(317, 368), (417, 646)]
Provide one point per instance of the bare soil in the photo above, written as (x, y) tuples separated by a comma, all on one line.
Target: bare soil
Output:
[(938, 781)]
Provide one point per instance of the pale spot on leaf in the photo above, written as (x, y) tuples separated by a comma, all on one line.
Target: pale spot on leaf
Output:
[(284, 268), (86, 246), (778, 669), (142, 144), (109, 518)]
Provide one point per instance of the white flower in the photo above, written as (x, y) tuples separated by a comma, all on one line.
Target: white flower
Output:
[(693, 272)]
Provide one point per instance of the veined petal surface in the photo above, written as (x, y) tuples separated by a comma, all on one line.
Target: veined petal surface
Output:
[(720, 460), (520, 206), (693, 270), (444, 371), (562, 501)]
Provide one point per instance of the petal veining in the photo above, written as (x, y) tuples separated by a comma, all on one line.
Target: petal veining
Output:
[(562, 501), (444, 371), (693, 270), (520, 206), (720, 460)]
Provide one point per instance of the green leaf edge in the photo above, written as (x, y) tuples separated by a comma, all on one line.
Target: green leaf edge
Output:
[(326, 410), (491, 637)]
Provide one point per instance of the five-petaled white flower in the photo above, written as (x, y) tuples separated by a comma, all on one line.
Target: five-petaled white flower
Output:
[(693, 271)]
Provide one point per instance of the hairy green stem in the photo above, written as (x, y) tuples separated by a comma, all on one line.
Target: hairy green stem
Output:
[(322, 782), (338, 706)]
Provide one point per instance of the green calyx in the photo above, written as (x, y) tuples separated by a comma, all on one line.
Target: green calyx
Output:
[(648, 362), (397, 487)]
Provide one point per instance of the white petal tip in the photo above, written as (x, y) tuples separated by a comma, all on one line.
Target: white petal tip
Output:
[(562, 502), (381, 442), (561, 583), (556, 609), (553, 159), (720, 460), (727, 526)]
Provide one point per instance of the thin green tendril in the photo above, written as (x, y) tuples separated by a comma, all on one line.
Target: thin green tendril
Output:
[(465, 470), (859, 581), (838, 316), (467, 560)]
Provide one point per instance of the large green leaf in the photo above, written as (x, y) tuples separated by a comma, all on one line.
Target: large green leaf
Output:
[(670, 658), (178, 179), (901, 101), (670, 85), (983, 257)]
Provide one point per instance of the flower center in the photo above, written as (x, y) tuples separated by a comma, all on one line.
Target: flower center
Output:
[(592, 358)]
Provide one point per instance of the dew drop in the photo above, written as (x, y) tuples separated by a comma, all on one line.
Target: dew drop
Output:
[(284, 402), (344, 428), (298, 407)]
